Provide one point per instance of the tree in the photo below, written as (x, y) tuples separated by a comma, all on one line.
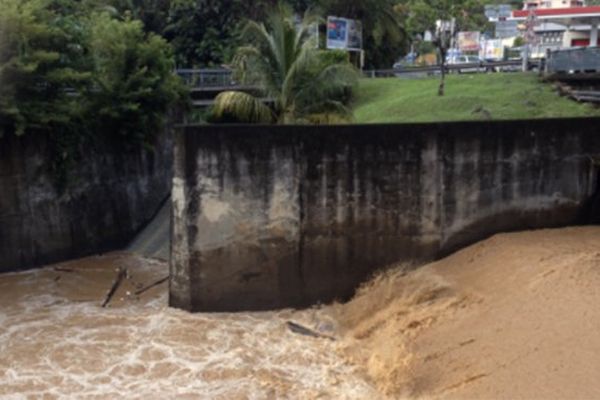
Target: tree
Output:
[(306, 85), (63, 69), (444, 19), (205, 32), (36, 67), (132, 74)]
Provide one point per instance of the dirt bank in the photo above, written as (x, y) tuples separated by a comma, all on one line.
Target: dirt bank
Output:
[(515, 316)]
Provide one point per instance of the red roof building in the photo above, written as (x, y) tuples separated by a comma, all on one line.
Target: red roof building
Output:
[(580, 22)]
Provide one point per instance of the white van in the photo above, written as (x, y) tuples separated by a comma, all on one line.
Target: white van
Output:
[(461, 60)]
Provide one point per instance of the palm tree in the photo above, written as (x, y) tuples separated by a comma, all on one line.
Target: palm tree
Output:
[(303, 83)]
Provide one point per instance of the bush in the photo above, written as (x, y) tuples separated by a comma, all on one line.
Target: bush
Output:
[(133, 81), (35, 72)]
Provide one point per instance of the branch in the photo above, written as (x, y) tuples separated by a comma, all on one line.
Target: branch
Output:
[(121, 274)]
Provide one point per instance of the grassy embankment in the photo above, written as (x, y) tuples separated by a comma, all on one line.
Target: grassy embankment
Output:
[(468, 97)]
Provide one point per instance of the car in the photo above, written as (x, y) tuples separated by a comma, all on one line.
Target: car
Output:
[(466, 64), (406, 61)]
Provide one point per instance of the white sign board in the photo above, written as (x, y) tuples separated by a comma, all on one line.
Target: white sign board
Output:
[(506, 29), (493, 50)]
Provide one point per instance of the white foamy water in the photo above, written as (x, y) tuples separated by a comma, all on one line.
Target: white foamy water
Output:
[(57, 342)]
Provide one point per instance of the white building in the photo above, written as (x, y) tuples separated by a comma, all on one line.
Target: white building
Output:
[(561, 24), (547, 4)]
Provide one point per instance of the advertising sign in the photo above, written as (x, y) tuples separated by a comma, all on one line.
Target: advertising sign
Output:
[(468, 41), (506, 29), (493, 50), (498, 12), (491, 12), (343, 33)]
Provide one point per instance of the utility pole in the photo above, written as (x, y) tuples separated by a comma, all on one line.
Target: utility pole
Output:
[(529, 38)]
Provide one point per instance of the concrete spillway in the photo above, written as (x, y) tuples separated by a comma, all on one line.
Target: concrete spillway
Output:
[(271, 217), (154, 240)]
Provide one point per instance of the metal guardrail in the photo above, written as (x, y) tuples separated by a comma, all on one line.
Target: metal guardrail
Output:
[(207, 78), (578, 60), (436, 69), (222, 79)]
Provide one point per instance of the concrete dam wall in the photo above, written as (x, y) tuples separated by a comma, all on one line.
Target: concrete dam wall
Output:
[(113, 192), (287, 216)]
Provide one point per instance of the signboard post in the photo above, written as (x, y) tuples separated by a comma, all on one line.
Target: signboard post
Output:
[(530, 38)]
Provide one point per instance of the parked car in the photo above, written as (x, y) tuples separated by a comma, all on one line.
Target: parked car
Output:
[(470, 63), (406, 61)]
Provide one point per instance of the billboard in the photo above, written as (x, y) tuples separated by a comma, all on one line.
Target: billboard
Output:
[(343, 33), (493, 50), (506, 29), (468, 41), (498, 12)]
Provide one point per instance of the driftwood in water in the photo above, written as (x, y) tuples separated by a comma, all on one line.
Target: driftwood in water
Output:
[(121, 274), (158, 282), (61, 269), (302, 330)]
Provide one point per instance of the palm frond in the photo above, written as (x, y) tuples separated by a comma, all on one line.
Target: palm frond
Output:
[(282, 58), (240, 107)]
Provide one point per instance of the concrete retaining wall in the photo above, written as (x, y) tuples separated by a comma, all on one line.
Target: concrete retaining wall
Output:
[(113, 193), (268, 217)]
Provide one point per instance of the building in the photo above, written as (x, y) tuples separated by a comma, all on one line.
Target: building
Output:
[(549, 4), (560, 24)]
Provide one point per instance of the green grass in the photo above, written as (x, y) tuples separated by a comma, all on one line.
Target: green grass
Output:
[(468, 97)]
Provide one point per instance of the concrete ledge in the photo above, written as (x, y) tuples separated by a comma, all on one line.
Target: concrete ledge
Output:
[(286, 216)]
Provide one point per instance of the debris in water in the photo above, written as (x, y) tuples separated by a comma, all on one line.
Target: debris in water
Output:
[(61, 269), (302, 330), (121, 274), (158, 282)]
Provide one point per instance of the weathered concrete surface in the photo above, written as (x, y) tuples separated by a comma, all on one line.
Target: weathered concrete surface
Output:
[(154, 241), (268, 217), (113, 193)]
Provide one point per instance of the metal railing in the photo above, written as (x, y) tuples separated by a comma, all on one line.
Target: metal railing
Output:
[(570, 61), (214, 79), (207, 78), (510, 65)]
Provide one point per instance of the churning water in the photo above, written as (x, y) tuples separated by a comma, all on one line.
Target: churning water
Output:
[(56, 341)]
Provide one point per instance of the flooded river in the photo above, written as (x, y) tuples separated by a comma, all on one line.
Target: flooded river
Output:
[(514, 316), (56, 341)]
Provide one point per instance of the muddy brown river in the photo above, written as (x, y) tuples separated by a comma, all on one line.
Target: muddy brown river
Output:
[(57, 342), (514, 316)]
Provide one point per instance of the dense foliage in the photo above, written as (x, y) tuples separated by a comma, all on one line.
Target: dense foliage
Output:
[(206, 33), (71, 67)]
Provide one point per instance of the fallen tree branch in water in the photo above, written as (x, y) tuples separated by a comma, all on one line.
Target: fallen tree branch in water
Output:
[(158, 282), (302, 330), (121, 274), (61, 269)]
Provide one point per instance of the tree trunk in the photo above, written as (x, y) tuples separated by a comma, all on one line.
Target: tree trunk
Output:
[(442, 79), (442, 51)]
